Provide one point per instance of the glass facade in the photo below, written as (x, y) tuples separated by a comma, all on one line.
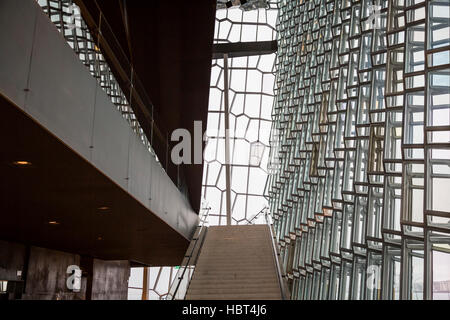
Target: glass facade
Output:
[(359, 165), (251, 96), (159, 281)]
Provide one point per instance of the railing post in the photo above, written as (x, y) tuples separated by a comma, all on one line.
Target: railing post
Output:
[(227, 139)]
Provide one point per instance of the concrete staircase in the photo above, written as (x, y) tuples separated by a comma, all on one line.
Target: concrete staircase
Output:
[(236, 263)]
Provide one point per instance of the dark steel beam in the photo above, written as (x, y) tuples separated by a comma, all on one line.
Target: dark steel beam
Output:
[(244, 49)]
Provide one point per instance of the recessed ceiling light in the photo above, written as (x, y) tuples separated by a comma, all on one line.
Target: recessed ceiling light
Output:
[(22, 163), (103, 208), (54, 223)]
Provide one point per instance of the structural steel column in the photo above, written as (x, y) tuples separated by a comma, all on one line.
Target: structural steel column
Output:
[(145, 284), (227, 140)]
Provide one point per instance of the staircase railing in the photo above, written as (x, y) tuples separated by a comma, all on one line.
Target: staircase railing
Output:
[(183, 277), (285, 295), (256, 216)]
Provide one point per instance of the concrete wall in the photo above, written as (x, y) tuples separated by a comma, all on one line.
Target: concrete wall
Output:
[(110, 280), (46, 274), (12, 260)]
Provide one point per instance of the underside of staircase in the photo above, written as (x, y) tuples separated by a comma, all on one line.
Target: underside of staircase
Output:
[(236, 263)]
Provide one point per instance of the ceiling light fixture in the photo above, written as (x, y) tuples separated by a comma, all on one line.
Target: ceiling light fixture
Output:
[(53, 223), (22, 163)]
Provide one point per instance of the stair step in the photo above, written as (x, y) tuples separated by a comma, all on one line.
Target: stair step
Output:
[(231, 269), (233, 296), (221, 266), (225, 258), (270, 286), (231, 266), (240, 276), (235, 290), (220, 281), (255, 260)]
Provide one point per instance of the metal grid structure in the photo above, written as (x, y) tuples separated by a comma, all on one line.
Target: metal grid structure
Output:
[(66, 16), (251, 83), (236, 24), (360, 164), (248, 5), (160, 279)]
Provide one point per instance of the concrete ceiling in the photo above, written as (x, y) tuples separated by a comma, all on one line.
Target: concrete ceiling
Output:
[(61, 186)]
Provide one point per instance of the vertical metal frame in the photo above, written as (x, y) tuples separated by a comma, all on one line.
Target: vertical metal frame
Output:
[(354, 105)]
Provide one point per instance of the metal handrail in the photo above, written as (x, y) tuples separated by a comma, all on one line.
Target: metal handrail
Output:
[(276, 255), (191, 255), (256, 216)]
